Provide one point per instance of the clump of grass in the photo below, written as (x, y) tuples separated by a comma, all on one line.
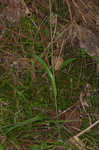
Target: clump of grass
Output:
[(31, 92)]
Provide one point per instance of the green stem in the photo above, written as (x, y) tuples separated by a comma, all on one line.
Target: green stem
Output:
[(52, 63)]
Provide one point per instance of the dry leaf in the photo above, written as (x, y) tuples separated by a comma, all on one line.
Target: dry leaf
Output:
[(72, 116), (88, 41), (53, 19), (58, 61)]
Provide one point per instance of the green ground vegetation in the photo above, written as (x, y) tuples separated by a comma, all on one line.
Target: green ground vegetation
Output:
[(32, 93)]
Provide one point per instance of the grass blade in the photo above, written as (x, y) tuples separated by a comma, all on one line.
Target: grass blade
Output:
[(68, 61), (21, 124), (52, 78)]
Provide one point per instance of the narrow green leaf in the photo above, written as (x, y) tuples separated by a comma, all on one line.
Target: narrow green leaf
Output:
[(49, 73), (68, 61), (3, 146), (95, 57), (35, 147), (20, 124)]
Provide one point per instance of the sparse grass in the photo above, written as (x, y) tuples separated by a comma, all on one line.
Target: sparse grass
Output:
[(29, 102)]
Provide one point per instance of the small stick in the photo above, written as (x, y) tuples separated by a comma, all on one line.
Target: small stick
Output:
[(82, 132), (79, 143)]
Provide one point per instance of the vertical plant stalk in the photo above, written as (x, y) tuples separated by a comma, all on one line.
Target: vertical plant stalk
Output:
[(51, 35), (52, 63)]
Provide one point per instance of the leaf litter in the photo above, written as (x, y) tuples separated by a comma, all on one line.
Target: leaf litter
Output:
[(81, 26)]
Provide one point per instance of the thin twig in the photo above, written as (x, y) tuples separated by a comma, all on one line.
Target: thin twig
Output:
[(82, 132)]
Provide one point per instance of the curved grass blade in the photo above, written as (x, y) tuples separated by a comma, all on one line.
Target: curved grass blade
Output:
[(52, 78), (68, 61), (21, 124), (95, 57)]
